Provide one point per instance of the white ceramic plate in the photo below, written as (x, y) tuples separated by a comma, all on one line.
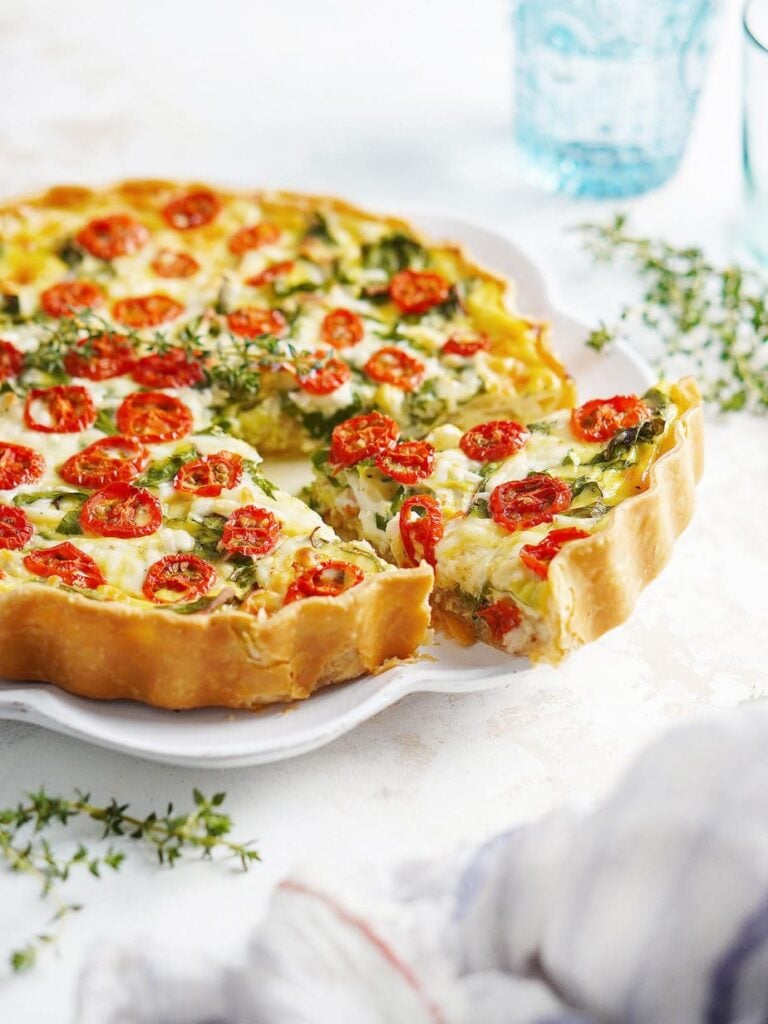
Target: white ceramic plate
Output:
[(221, 738)]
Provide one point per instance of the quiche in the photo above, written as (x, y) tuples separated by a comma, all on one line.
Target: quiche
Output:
[(158, 339), (540, 535)]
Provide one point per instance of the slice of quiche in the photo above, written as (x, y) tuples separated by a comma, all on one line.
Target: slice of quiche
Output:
[(159, 564), (541, 536)]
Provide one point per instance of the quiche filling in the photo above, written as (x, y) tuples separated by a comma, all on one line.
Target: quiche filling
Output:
[(155, 339), (291, 315), (491, 507)]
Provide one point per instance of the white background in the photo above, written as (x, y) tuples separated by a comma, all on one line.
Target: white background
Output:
[(405, 102)]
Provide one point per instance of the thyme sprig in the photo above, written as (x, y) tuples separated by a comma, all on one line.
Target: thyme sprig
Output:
[(23, 847), (708, 320)]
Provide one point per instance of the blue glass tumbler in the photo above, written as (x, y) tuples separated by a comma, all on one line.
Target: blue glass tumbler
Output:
[(605, 90)]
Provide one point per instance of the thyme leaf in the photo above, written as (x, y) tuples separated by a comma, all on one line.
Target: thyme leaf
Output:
[(27, 845), (708, 320)]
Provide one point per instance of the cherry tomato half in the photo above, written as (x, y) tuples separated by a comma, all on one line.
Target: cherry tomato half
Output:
[(421, 527), (497, 439), (11, 360), (121, 510), (172, 264), (253, 322), (209, 476), (146, 310), (19, 465), (101, 358), (538, 556), (361, 437), (520, 504), (178, 579), (71, 297), (501, 618), (393, 366), (65, 408), (251, 530), (323, 379), (193, 210), (253, 237), (409, 463), (72, 566), (171, 369), (108, 460), (15, 528), (342, 328), (271, 273), (416, 291), (112, 236), (154, 417), (457, 346), (601, 418), (326, 579)]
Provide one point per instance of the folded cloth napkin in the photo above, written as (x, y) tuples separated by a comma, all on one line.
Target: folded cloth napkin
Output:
[(651, 909)]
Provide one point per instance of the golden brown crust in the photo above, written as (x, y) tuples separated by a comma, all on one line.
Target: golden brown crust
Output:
[(595, 583), (229, 659)]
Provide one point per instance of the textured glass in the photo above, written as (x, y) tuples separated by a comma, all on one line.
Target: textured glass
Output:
[(606, 89), (756, 125)]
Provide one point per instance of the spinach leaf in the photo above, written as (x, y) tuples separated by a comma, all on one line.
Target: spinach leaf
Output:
[(69, 252), (207, 535), (620, 446), (69, 525), (393, 253), (59, 498), (161, 472)]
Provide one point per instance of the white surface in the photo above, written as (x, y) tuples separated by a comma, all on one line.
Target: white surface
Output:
[(407, 103), (215, 738)]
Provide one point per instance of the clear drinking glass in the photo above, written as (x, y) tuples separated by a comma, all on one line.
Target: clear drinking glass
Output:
[(755, 131), (605, 90)]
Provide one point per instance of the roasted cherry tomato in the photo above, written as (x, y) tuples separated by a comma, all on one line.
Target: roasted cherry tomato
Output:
[(171, 369), (538, 556), (209, 476), (520, 504), (154, 417), (393, 366), (421, 527), (65, 409), (121, 510), (458, 346), (361, 437), (19, 465), (253, 237), (178, 579), (498, 439), (72, 566), (193, 210), (168, 263), (115, 235), (326, 579), (601, 418), (342, 328), (323, 379), (106, 461), (501, 618), (409, 463), (416, 291), (146, 310), (11, 360), (251, 530), (15, 527), (101, 357), (253, 322), (271, 273), (71, 297)]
